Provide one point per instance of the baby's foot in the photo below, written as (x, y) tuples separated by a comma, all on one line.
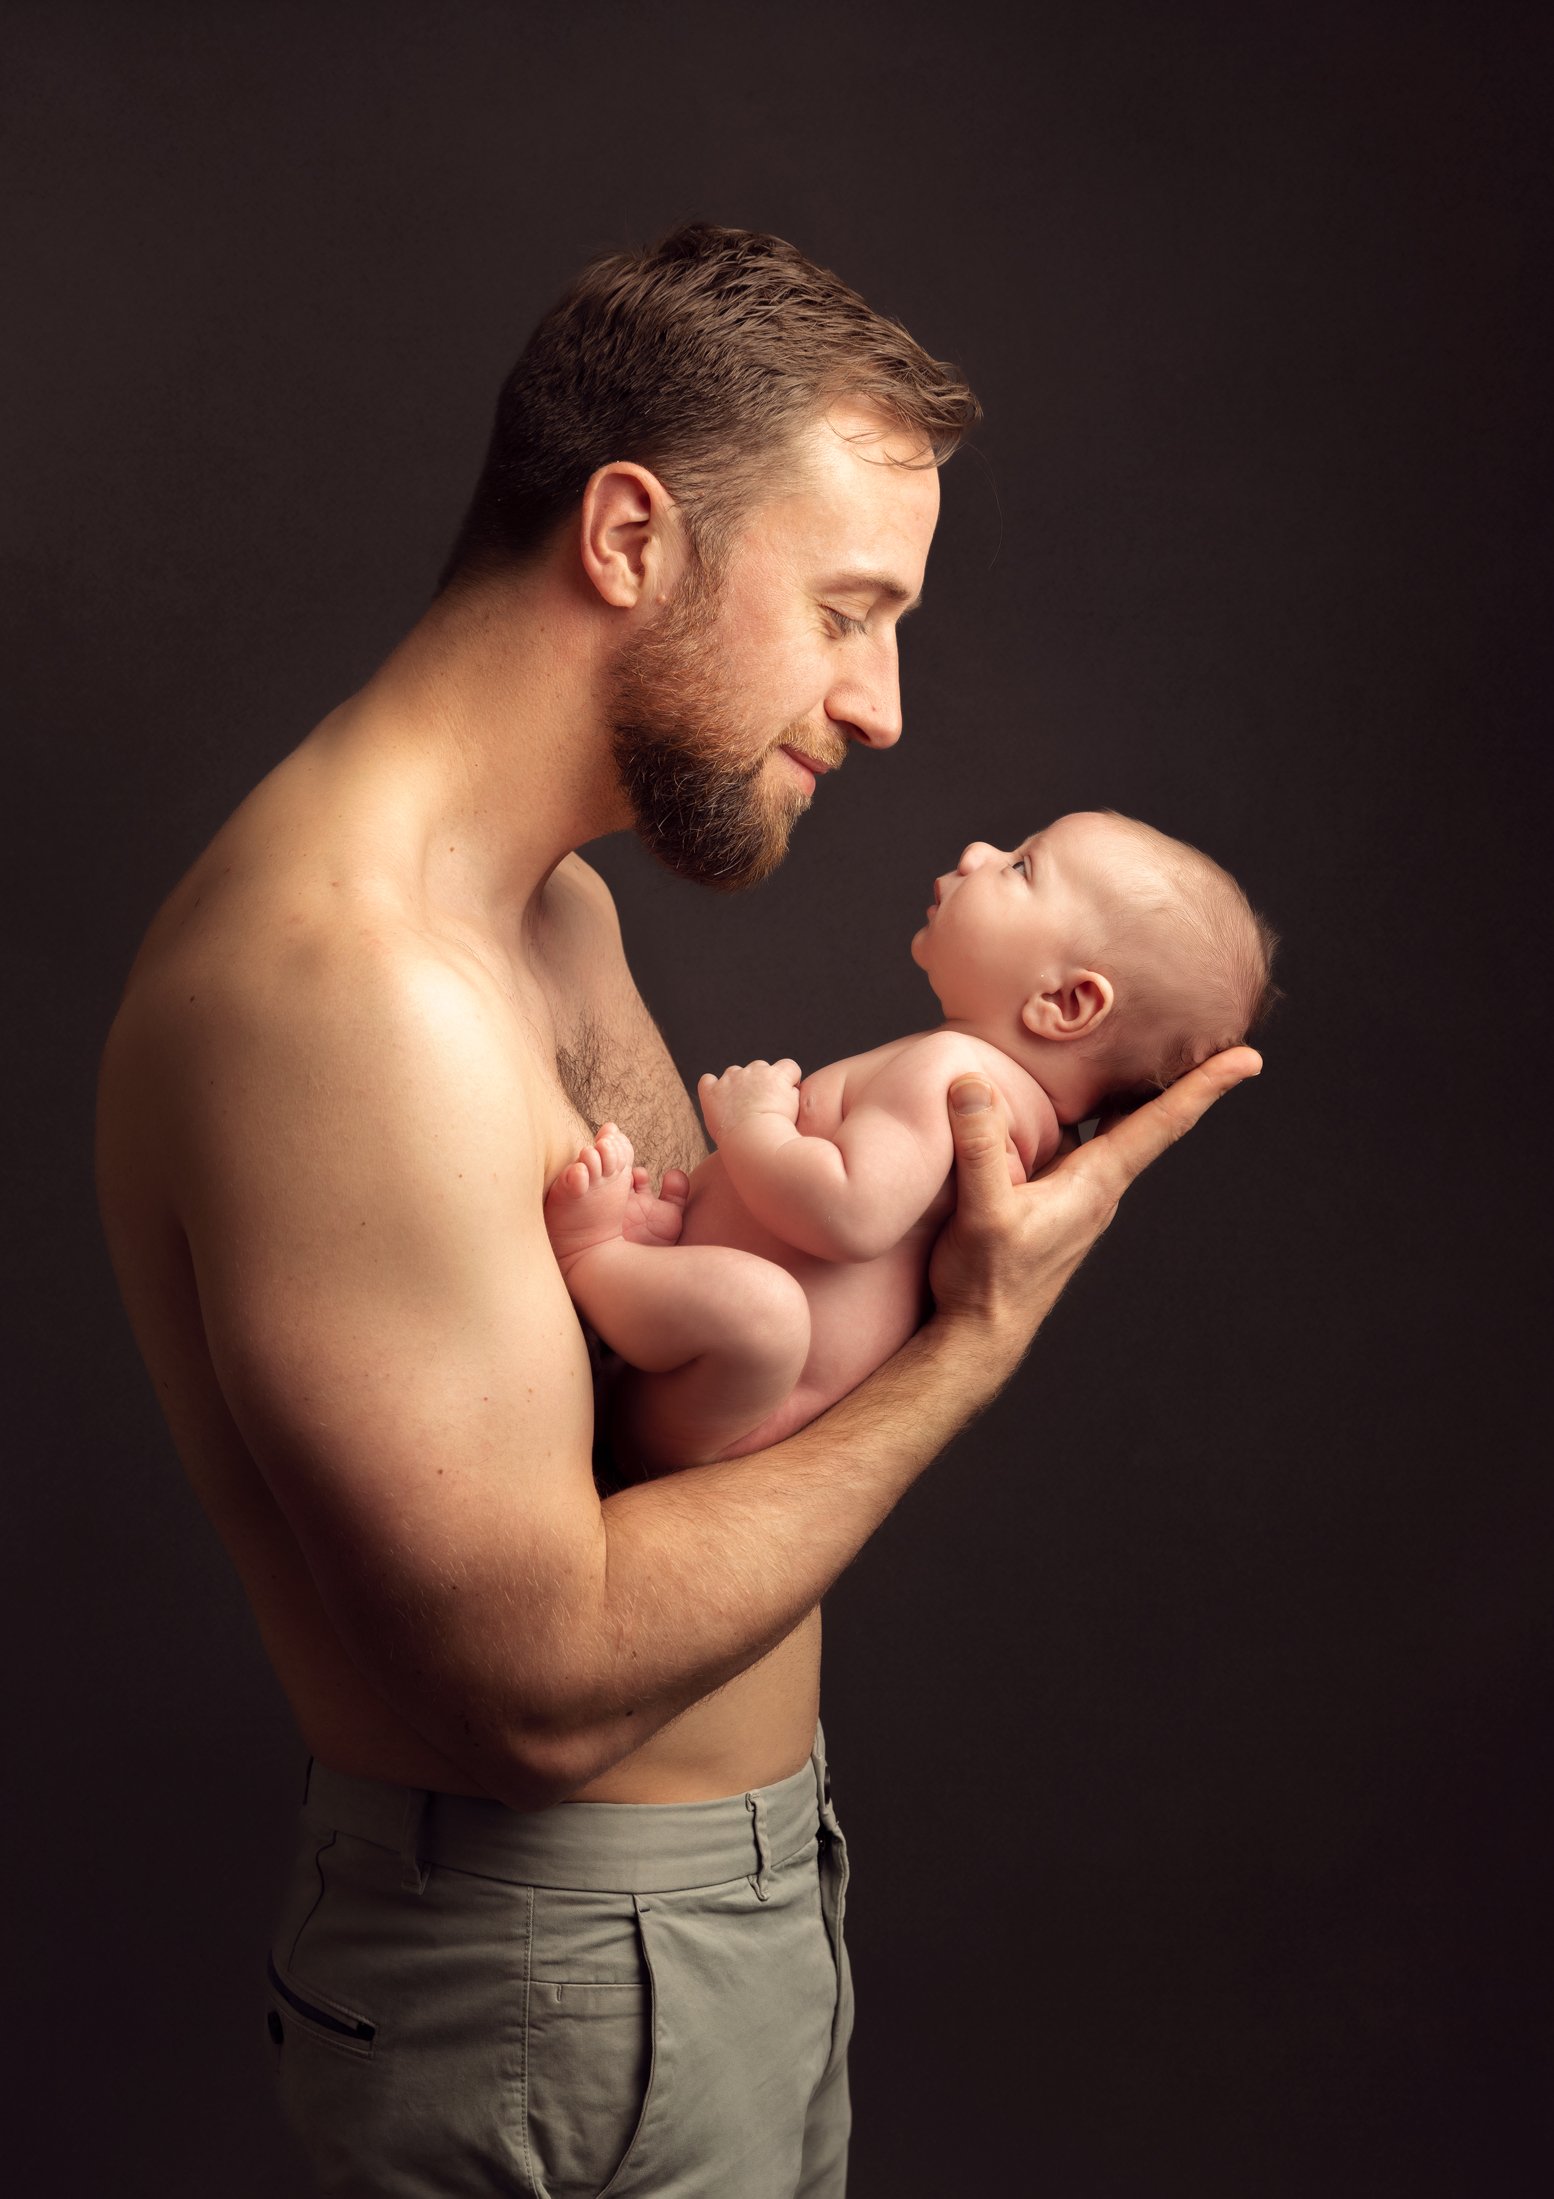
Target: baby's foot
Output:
[(656, 1221), (586, 1205)]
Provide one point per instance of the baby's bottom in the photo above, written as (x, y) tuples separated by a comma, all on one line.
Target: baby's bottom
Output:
[(714, 1339)]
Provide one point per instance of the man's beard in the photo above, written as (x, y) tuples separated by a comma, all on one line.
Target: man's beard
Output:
[(698, 797)]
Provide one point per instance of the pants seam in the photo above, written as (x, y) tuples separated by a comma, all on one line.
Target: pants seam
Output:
[(531, 2173)]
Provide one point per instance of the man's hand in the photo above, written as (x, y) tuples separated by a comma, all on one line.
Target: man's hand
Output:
[(741, 1095), (1006, 1253)]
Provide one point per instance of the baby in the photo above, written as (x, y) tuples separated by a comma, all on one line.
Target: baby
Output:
[(1096, 961)]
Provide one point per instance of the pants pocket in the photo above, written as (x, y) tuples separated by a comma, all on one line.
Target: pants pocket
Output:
[(302, 1971), (396, 2018), (589, 2041), (330, 2022)]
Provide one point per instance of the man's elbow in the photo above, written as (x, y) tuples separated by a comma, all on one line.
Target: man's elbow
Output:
[(542, 1764), (528, 1779), (528, 1769)]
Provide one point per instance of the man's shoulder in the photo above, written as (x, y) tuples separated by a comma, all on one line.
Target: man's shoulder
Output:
[(288, 958), (289, 1004)]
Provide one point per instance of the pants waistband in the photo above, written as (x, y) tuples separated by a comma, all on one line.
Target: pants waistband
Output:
[(625, 1847)]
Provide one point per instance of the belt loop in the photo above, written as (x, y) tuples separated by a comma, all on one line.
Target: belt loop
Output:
[(763, 1846), (415, 1873)]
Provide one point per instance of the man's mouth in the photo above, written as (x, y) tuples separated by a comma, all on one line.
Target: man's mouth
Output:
[(812, 767)]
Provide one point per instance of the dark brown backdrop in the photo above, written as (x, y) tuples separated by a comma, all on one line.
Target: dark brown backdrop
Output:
[(1189, 1718)]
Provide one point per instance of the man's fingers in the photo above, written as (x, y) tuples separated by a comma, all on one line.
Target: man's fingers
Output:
[(1124, 1149)]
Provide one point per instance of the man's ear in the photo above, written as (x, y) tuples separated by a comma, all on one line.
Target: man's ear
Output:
[(1073, 1009), (630, 536)]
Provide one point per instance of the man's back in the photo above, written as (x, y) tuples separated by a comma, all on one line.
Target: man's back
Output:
[(264, 1074)]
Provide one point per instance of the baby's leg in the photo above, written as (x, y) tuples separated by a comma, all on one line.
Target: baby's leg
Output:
[(718, 1336)]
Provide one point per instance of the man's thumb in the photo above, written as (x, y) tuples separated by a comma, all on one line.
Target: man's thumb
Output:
[(976, 1122)]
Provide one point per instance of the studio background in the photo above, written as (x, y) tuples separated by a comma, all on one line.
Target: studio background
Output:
[(1189, 1719)]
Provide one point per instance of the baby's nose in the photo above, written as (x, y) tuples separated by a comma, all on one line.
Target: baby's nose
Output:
[(973, 856)]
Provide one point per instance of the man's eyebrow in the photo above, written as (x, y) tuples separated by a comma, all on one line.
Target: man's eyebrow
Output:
[(879, 584)]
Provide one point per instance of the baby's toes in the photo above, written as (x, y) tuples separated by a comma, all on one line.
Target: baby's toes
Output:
[(569, 1185), (614, 1149)]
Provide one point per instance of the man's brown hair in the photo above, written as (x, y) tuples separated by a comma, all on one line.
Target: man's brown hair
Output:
[(699, 358)]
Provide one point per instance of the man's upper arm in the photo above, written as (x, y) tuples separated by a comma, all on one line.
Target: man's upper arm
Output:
[(363, 1206)]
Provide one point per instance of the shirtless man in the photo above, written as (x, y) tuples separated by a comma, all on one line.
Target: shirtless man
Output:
[(527, 1945)]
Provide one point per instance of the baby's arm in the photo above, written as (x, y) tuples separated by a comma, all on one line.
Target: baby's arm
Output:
[(717, 1337), (854, 1195)]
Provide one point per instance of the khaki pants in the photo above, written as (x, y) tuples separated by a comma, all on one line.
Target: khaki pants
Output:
[(651, 2001)]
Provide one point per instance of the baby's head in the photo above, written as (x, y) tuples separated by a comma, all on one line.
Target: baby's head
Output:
[(1105, 956)]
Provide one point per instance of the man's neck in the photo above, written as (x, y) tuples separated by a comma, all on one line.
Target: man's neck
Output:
[(490, 718)]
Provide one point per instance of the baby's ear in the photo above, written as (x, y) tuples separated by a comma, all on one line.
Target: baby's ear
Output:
[(1073, 1009)]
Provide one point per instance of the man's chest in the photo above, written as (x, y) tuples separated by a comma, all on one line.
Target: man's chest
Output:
[(612, 1065), (602, 1055)]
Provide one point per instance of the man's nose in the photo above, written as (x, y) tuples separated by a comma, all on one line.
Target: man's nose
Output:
[(867, 705)]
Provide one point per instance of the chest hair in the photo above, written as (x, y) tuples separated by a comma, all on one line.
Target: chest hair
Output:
[(625, 1075)]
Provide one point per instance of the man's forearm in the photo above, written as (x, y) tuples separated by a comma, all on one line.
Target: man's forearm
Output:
[(704, 1571), (568, 1632)]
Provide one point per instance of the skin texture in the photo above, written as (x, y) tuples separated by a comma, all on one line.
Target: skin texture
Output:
[(363, 1036)]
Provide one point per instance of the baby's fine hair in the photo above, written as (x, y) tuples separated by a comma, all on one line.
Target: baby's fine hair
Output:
[(1199, 959)]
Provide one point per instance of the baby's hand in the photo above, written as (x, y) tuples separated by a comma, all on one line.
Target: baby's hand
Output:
[(741, 1095)]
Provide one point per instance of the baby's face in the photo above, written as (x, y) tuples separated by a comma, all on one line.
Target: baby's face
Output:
[(1009, 922)]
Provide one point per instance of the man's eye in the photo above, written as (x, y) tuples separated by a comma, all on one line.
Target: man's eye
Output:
[(844, 624)]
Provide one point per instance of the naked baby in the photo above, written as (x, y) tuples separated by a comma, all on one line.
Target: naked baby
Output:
[(1097, 960)]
